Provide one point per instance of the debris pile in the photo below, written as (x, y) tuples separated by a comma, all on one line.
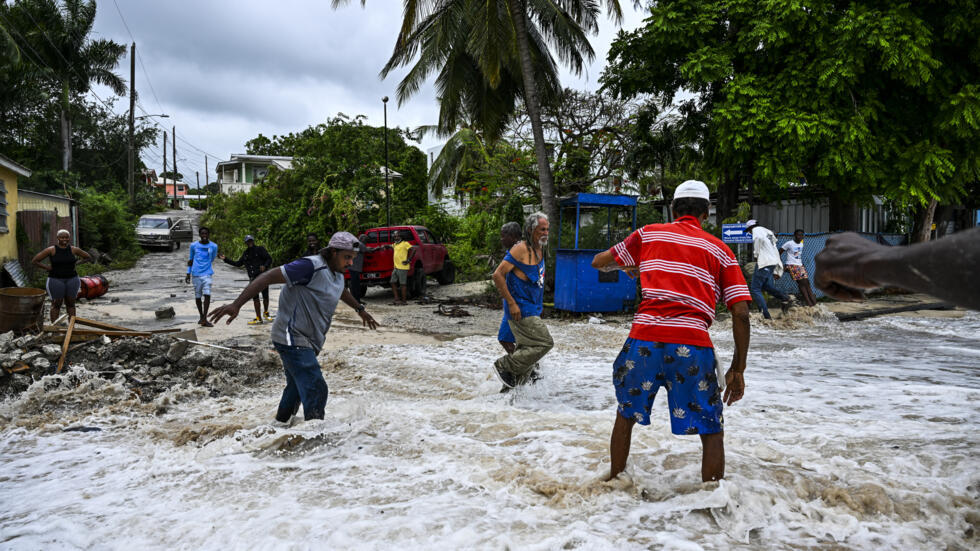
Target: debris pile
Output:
[(147, 366)]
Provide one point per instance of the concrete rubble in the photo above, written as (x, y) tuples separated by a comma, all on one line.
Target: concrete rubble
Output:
[(148, 366)]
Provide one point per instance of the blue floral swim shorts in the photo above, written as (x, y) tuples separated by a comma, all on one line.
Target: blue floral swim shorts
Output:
[(688, 374)]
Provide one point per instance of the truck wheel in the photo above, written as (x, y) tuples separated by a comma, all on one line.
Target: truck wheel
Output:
[(416, 288), (448, 273)]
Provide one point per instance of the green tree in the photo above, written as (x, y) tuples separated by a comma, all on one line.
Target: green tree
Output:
[(55, 37), (857, 98), (496, 40), (335, 184)]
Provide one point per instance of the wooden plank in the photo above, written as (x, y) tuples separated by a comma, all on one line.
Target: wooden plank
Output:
[(57, 338), (111, 333), (105, 332), (101, 325), (855, 316), (64, 346)]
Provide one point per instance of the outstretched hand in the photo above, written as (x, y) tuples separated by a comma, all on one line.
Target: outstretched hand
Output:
[(368, 320), (734, 387), (840, 269), (632, 271), (229, 310)]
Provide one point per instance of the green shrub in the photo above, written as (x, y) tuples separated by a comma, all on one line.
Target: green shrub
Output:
[(106, 223)]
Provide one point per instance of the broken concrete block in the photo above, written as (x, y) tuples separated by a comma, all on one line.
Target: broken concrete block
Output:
[(24, 342), (165, 313), (159, 360), (6, 340), (27, 357), (198, 356), (176, 351), (8, 360), (41, 362), (266, 360), (51, 351)]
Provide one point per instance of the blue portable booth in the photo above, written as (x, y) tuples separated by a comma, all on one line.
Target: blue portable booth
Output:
[(599, 224)]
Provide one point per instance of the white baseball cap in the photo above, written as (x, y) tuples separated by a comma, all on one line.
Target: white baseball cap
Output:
[(751, 223), (692, 188)]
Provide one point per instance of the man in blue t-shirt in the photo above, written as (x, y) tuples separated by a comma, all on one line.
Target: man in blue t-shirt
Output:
[(314, 286), (202, 255), (520, 280)]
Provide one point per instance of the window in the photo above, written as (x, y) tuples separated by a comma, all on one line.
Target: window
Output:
[(3, 208), (372, 237), (384, 237), (425, 237)]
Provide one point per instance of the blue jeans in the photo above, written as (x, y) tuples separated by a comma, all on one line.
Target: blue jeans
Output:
[(304, 383), (762, 281)]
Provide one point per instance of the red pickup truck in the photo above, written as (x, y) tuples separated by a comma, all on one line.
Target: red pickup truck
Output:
[(430, 259)]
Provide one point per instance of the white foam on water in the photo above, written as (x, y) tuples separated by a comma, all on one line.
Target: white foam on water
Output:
[(858, 436)]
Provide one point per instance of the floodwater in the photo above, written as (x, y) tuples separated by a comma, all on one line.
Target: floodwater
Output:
[(851, 436)]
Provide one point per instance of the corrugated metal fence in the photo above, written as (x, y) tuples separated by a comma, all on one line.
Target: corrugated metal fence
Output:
[(813, 243), (38, 229)]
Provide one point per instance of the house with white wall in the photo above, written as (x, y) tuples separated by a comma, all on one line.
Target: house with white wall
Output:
[(241, 172)]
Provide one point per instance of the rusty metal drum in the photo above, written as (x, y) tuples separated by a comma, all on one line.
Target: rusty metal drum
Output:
[(20, 307)]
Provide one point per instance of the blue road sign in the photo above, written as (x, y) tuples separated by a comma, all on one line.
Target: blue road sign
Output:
[(735, 233)]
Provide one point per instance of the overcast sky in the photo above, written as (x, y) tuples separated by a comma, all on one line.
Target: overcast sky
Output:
[(226, 71)]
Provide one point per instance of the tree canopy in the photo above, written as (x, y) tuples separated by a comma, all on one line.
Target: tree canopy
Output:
[(857, 98), (336, 183)]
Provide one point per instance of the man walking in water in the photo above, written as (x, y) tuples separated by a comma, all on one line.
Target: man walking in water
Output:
[(202, 255), (314, 286), (520, 280), (683, 272), (767, 267), (794, 265), (510, 234)]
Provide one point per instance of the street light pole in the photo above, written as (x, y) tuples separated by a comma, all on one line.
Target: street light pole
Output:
[(384, 101), (131, 164)]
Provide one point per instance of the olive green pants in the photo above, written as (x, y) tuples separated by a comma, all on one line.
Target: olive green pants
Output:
[(533, 342)]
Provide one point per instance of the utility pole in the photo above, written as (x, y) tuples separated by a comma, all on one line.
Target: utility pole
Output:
[(207, 202), (130, 186), (198, 175), (173, 136), (164, 166), (384, 100)]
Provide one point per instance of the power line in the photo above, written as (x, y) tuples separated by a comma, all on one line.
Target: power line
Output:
[(138, 56), (119, 11)]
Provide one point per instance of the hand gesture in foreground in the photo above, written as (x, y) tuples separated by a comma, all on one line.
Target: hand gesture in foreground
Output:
[(229, 310)]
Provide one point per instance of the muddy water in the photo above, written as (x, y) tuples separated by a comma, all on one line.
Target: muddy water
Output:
[(851, 436)]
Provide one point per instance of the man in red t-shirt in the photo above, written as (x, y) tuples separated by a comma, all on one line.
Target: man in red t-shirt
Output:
[(683, 271)]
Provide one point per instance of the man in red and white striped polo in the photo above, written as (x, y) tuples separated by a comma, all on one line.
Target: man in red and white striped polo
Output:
[(684, 271)]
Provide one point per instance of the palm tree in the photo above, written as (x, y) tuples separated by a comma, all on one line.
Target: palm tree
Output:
[(56, 40), (501, 38)]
